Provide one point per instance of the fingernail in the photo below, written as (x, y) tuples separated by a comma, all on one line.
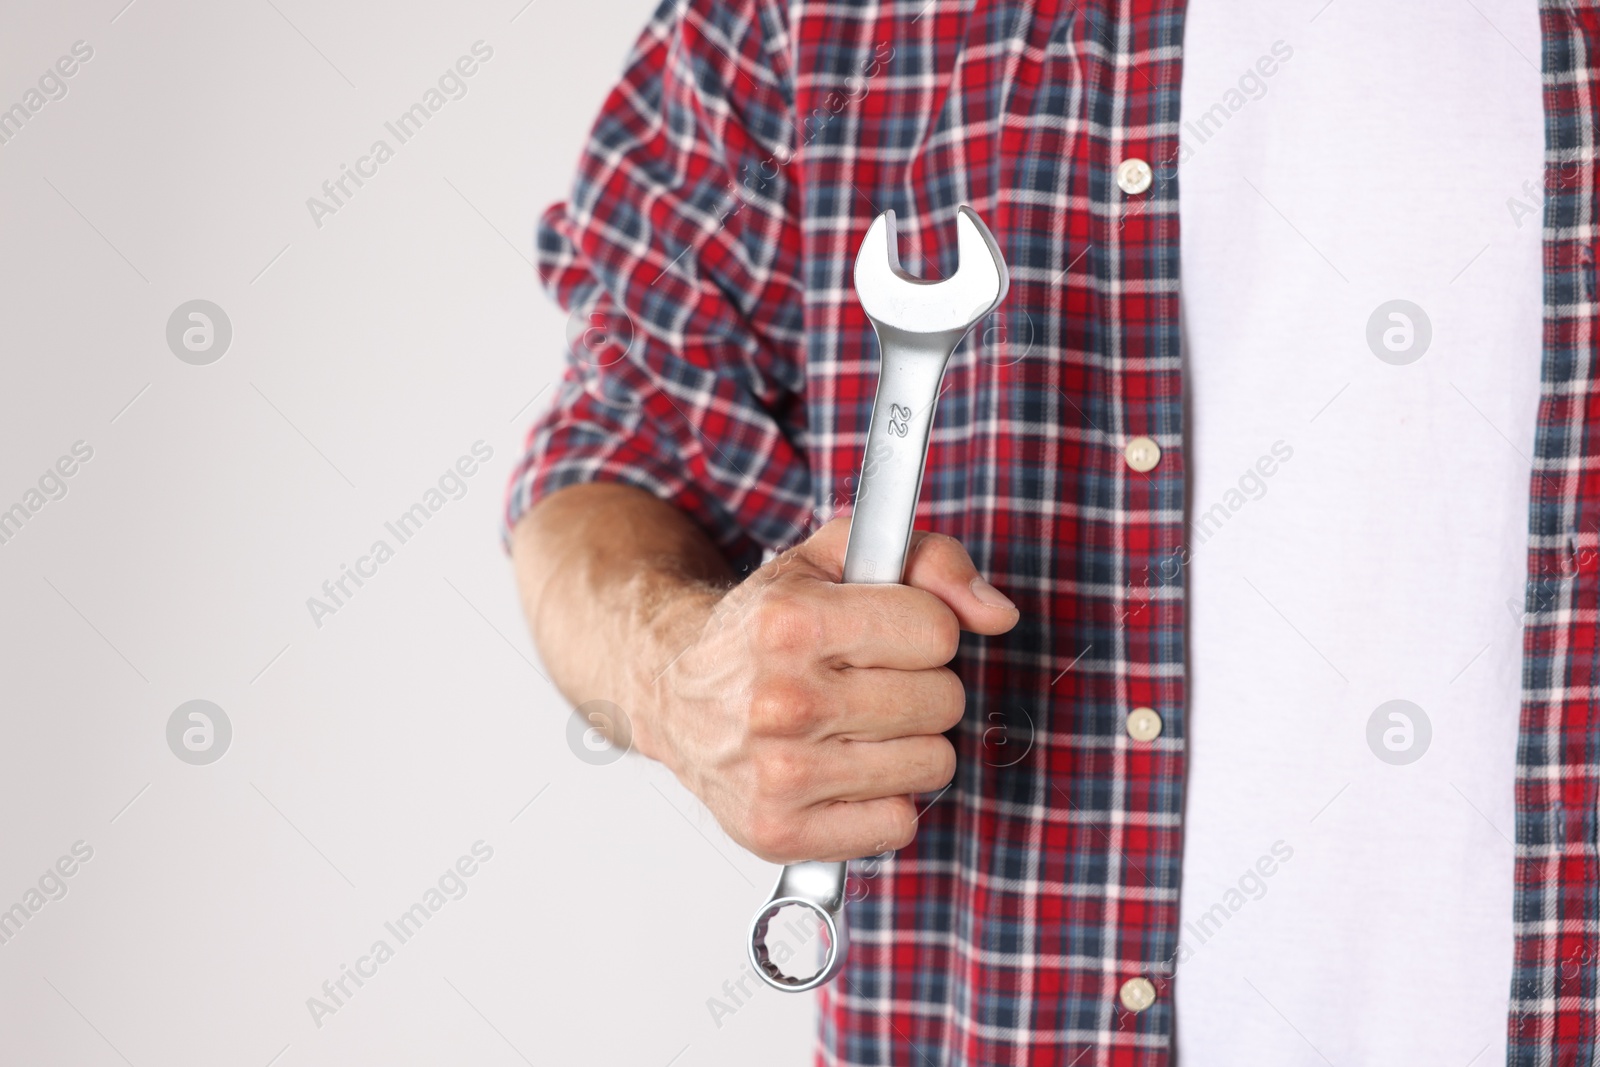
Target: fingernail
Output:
[(989, 595)]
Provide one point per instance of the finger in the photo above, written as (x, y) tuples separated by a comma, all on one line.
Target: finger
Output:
[(814, 623), (847, 831), (935, 562), (892, 626), (939, 564), (823, 552), (873, 704), (871, 770)]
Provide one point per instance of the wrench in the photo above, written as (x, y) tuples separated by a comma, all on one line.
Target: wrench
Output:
[(919, 323)]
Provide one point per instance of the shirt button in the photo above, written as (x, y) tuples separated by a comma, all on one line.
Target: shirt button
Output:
[(1144, 724), (1137, 994), (1142, 454), (1134, 176)]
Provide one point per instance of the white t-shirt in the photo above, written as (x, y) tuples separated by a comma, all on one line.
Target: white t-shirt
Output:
[(1360, 208)]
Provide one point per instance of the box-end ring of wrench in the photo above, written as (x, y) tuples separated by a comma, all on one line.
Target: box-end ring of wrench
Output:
[(919, 324)]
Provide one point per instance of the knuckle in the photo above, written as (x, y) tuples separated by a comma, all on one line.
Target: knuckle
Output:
[(931, 765), (900, 824), (784, 623), (953, 705), (781, 776), (941, 763), (781, 709), (943, 634), (947, 549)]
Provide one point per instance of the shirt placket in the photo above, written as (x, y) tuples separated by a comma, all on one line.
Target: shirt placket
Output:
[(1143, 441)]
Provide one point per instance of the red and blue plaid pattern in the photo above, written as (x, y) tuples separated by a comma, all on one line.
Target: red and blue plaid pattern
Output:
[(1555, 1014), (712, 231)]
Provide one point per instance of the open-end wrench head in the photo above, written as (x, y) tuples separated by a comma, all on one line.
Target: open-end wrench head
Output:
[(893, 298)]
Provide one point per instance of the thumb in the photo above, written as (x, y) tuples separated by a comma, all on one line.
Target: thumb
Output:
[(939, 565), (935, 563)]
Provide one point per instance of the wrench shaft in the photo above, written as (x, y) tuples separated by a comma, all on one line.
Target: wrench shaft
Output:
[(892, 463)]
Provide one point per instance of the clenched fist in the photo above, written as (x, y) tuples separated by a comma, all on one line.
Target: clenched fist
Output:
[(805, 712)]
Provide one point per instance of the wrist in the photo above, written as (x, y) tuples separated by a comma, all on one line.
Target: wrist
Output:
[(668, 622)]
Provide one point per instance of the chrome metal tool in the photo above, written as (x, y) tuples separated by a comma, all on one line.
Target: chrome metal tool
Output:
[(919, 323)]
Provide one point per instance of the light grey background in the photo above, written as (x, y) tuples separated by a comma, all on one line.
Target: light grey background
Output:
[(371, 752)]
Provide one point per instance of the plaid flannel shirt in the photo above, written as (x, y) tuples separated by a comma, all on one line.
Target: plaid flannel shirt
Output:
[(709, 241)]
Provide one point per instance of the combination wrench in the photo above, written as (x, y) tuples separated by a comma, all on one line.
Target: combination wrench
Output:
[(919, 323)]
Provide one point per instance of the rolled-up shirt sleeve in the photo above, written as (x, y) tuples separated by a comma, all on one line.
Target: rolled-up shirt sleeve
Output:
[(676, 256)]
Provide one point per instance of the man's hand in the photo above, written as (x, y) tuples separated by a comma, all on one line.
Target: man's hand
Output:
[(806, 711), (801, 711)]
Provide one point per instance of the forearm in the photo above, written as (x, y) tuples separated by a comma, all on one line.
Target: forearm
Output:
[(614, 583)]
